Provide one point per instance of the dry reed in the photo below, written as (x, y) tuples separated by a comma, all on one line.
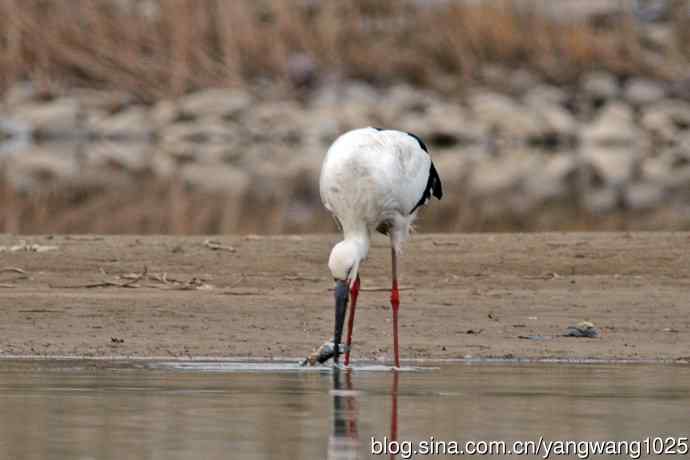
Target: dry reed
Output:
[(155, 48)]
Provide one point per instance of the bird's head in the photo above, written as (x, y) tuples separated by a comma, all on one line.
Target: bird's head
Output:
[(345, 259), (344, 265)]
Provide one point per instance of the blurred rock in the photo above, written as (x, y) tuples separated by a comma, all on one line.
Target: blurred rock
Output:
[(671, 168), (19, 94), (495, 175), (277, 122), (402, 100), (505, 151), (677, 157), (443, 125), (614, 126), (666, 118), (211, 131), (162, 165), (165, 112), (643, 196), (222, 103), (659, 124), (658, 37), (522, 80), (130, 157), (680, 89), (15, 136), (132, 123), (59, 118), (600, 85), (641, 91), (320, 128), (655, 169), (501, 113), (101, 100), (545, 95), (543, 98), (615, 166), (559, 123), (192, 152)]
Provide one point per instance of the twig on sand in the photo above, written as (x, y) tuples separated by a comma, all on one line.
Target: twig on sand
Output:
[(24, 246), (241, 293), (13, 269), (129, 283), (384, 289), (545, 276), (218, 246), (22, 276), (133, 280), (302, 278), (95, 285), (194, 284)]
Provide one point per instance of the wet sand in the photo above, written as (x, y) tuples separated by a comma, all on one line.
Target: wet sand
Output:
[(463, 296)]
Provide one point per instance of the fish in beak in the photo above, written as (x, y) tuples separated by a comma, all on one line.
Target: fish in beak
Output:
[(335, 348)]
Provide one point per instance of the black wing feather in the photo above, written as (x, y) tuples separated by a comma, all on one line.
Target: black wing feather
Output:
[(420, 142), (433, 187)]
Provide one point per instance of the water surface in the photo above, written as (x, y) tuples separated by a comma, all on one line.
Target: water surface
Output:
[(103, 410)]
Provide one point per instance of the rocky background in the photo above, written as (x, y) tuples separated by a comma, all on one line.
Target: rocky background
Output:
[(518, 147)]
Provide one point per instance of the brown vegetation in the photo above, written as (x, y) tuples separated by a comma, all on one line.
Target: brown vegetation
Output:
[(153, 206), (162, 48)]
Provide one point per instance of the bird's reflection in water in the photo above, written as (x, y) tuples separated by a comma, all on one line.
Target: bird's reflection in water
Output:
[(394, 408), (343, 443)]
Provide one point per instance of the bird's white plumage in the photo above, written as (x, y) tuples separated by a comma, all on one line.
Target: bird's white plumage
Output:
[(372, 177)]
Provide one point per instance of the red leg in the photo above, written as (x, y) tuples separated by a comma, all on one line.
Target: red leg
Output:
[(354, 292), (395, 304)]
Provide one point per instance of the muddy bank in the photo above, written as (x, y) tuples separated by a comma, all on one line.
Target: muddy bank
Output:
[(464, 295)]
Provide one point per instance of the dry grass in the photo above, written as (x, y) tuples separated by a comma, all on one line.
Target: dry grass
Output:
[(181, 45)]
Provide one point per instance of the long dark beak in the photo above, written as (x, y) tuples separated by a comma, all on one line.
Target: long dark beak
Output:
[(341, 294)]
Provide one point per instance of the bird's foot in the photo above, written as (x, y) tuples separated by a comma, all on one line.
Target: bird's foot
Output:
[(324, 353)]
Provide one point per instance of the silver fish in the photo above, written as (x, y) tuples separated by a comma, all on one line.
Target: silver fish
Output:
[(323, 354)]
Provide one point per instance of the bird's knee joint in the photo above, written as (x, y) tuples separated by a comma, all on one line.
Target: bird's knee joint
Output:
[(395, 301)]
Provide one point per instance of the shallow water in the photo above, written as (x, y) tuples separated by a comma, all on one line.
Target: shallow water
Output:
[(104, 410)]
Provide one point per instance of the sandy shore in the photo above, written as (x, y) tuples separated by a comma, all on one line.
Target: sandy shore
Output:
[(464, 295)]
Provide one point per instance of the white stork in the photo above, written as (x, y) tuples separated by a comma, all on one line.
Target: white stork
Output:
[(372, 179)]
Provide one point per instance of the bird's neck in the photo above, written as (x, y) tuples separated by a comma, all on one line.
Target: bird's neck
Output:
[(359, 239)]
